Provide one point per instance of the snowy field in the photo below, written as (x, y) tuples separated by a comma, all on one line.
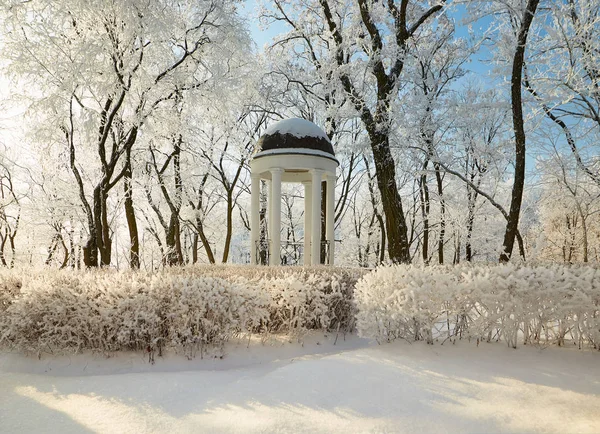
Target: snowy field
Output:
[(354, 386)]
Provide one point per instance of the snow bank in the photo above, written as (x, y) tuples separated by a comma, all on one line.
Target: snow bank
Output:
[(532, 305)]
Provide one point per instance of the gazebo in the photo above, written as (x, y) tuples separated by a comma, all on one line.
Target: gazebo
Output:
[(297, 151)]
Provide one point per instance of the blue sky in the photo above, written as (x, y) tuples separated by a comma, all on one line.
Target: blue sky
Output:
[(260, 36)]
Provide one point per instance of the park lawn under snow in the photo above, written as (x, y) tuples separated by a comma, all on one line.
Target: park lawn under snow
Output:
[(353, 386)]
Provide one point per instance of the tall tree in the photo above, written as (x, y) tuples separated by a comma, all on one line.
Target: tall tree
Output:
[(380, 32), (512, 224)]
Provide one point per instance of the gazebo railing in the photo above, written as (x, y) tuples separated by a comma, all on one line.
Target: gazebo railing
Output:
[(263, 252)]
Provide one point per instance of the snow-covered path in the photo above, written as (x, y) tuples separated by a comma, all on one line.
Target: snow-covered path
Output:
[(355, 386)]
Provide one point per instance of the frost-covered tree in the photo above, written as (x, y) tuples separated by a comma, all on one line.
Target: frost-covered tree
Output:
[(98, 70), (359, 48), (568, 212), (564, 78), (480, 151)]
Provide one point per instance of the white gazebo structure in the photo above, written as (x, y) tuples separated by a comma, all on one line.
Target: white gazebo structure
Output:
[(294, 150)]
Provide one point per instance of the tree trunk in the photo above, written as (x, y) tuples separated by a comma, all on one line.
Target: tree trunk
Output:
[(323, 222), (101, 230), (512, 224), (134, 244), (470, 221), (457, 245), (381, 248), (90, 250), (204, 239), (229, 232), (440, 187), (585, 239), (263, 245), (173, 254), (471, 202), (395, 223), (52, 249), (195, 248), (424, 196)]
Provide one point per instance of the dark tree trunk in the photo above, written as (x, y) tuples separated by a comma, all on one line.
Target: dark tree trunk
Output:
[(263, 246), (512, 225), (173, 254), (440, 190), (134, 244), (425, 205), (395, 222), (323, 222), (468, 246), (51, 249), (457, 250), (195, 248), (381, 248), (103, 241), (229, 232), (209, 253)]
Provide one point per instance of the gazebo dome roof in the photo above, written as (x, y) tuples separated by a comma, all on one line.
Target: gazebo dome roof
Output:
[(294, 136)]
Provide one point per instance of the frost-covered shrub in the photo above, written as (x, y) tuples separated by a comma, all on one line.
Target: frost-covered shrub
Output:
[(10, 287), (541, 304), (210, 310), (62, 314), (403, 301), (188, 309), (106, 311), (301, 298)]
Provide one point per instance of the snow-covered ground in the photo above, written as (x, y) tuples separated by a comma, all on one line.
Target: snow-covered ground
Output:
[(354, 386)]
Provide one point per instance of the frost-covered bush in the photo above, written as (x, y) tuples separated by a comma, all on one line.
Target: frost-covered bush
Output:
[(403, 301), (210, 310), (301, 298), (307, 301), (189, 309), (107, 311), (10, 286), (513, 303)]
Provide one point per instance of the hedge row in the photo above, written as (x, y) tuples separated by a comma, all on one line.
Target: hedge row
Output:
[(516, 304), (193, 309), (189, 309)]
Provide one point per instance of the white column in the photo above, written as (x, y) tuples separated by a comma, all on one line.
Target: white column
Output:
[(275, 253), (330, 232), (315, 248), (307, 221), (254, 211), (269, 217)]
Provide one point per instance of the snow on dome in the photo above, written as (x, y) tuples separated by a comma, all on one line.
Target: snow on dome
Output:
[(296, 127), (294, 136)]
